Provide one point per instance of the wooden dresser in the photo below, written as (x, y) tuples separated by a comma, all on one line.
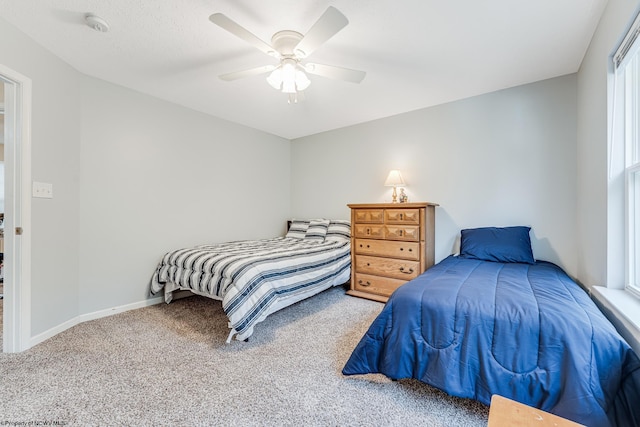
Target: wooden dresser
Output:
[(391, 243)]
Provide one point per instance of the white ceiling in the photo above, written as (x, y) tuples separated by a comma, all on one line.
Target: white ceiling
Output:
[(417, 53)]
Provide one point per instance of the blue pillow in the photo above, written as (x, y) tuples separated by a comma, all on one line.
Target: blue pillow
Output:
[(508, 244)]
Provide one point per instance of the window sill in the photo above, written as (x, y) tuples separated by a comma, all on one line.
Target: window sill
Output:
[(623, 310)]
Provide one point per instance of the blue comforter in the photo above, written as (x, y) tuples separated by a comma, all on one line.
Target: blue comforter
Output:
[(527, 332)]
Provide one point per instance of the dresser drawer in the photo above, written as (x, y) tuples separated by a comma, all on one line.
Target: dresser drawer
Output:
[(386, 248), (369, 231), (402, 216), (376, 285), (371, 216), (388, 267), (409, 233)]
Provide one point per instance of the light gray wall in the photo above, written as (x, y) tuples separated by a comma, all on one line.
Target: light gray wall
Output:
[(132, 177), (156, 176), (596, 266), (55, 146), (500, 159)]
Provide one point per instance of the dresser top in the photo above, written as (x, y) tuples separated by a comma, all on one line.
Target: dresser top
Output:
[(391, 205)]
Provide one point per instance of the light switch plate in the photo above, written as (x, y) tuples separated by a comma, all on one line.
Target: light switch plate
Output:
[(43, 190)]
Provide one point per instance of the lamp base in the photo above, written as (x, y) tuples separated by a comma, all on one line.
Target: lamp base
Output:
[(394, 196)]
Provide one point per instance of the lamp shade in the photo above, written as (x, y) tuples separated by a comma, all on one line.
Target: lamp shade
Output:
[(394, 179)]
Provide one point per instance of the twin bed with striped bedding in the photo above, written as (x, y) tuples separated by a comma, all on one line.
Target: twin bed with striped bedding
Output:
[(255, 278)]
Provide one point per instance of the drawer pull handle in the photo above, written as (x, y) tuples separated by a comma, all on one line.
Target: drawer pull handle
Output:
[(368, 231), (368, 246), (368, 264), (401, 216), (406, 272), (360, 245), (400, 232), (361, 283), (401, 249), (410, 250)]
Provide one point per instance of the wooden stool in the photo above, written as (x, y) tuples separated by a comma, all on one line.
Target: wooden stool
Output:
[(505, 412)]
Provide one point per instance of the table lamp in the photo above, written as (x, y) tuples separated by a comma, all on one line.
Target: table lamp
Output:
[(394, 179)]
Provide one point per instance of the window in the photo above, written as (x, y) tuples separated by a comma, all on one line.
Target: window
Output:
[(626, 145), (633, 178)]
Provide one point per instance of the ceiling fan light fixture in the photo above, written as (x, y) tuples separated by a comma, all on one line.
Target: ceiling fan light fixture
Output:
[(288, 86), (302, 81), (288, 77), (275, 79), (290, 48)]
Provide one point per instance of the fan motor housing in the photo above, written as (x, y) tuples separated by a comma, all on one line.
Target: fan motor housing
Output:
[(285, 41)]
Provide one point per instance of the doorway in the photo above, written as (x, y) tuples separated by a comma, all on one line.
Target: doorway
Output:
[(16, 105), (1, 203)]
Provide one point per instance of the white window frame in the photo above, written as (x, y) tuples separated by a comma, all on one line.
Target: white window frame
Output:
[(632, 198), (626, 63)]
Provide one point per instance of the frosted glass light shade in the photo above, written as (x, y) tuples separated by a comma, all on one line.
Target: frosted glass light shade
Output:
[(275, 78), (288, 77), (302, 81)]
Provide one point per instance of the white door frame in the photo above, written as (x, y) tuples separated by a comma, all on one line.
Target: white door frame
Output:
[(17, 216)]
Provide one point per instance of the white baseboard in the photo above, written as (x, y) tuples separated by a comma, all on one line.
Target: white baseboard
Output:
[(119, 309), (35, 340)]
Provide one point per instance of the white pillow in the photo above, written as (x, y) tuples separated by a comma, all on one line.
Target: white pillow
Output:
[(339, 229), (317, 230), (298, 228)]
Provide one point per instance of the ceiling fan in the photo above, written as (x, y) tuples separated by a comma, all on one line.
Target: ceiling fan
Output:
[(291, 48)]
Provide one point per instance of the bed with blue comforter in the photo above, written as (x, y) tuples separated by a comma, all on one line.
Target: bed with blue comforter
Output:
[(524, 330)]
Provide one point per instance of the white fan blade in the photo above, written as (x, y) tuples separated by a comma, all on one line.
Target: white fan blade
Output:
[(227, 24), (331, 21), (338, 73), (247, 73)]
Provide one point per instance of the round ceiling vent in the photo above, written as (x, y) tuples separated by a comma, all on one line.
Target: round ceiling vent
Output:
[(96, 23)]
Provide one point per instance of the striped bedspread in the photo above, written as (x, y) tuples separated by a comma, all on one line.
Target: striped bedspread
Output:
[(254, 278)]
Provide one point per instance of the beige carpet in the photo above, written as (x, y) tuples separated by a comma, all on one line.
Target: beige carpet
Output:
[(168, 365)]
